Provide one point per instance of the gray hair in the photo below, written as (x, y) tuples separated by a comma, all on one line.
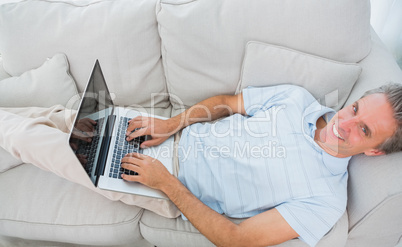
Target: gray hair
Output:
[(393, 91)]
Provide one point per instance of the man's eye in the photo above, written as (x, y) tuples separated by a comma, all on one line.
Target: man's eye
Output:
[(364, 131), (354, 109)]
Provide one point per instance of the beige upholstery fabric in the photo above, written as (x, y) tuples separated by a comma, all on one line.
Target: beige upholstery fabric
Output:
[(62, 211), (378, 68), (328, 81), (177, 232), (203, 41), (203, 47), (7, 160), (122, 34), (50, 84), (375, 197), (3, 73)]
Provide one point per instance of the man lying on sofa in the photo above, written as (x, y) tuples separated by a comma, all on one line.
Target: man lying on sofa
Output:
[(282, 161), (291, 180)]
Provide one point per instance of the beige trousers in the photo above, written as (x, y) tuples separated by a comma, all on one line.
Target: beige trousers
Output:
[(40, 136)]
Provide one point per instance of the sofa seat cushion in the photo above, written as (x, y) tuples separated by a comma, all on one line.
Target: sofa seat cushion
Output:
[(163, 232), (375, 198), (203, 41), (7, 160), (122, 34), (38, 205)]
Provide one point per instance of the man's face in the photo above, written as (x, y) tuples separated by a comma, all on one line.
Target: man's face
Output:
[(358, 128)]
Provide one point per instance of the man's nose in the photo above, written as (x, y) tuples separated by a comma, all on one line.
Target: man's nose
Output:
[(347, 124)]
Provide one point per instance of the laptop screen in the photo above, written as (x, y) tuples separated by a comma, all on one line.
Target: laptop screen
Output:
[(90, 123)]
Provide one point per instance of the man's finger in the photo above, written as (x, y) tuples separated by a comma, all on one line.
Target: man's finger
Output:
[(134, 168), (131, 178), (150, 143), (137, 133), (132, 126), (138, 118), (90, 123), (131, 167), (136, 155), (87, 124), (136, 123), (135, 159)]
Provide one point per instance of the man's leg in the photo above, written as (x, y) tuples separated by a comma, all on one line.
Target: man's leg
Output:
[(58, 116), (33, 136)]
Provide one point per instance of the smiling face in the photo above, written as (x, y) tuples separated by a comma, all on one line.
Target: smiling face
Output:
[(358, 128)]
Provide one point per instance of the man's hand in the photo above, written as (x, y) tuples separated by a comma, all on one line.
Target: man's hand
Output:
[(151, 172), (160, 130), (84, 129)]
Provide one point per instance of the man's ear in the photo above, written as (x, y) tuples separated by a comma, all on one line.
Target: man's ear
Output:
[(374, 152)]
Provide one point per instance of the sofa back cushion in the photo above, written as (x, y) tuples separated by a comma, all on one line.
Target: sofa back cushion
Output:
[(330, 82), (122, 34), (203, 41)]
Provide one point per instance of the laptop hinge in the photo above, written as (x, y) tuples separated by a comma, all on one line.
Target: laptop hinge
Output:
[(104, 150)]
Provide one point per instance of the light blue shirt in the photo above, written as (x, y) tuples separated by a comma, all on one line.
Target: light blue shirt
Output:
[(244, 165)]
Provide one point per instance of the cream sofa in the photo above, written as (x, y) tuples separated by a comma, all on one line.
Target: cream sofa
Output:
[(165, 55)]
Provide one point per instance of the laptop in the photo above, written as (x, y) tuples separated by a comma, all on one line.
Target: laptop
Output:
[(98, 139)]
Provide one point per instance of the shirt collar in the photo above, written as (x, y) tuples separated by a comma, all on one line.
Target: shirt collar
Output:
[(310, 116), (334, 164)]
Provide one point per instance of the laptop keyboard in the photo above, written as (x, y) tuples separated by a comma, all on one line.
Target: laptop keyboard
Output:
[(88, 149), (123, 147)]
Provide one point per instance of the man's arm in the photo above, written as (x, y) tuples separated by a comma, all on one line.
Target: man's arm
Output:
[(207, 110), (211, 109), (268, 228)]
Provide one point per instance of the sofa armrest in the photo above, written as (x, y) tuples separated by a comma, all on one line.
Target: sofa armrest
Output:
[(375, 199)]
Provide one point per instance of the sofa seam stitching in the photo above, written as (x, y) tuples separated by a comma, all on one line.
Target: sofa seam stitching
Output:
[(70, 3), (177, 4), (137, 216), (167, 229)]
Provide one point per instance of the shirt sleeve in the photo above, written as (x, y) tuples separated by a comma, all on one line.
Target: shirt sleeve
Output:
[(312, 218), (262, 98)]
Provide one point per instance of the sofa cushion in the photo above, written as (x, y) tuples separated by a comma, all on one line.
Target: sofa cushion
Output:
[(7, 160), (122, 34), (328, 81), (50, 84), (375, 197), (203, 42), (177, 232), (3, 73), (38, 205)]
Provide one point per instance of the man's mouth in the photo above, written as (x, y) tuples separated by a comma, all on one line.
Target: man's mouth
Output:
[(336, 133)]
